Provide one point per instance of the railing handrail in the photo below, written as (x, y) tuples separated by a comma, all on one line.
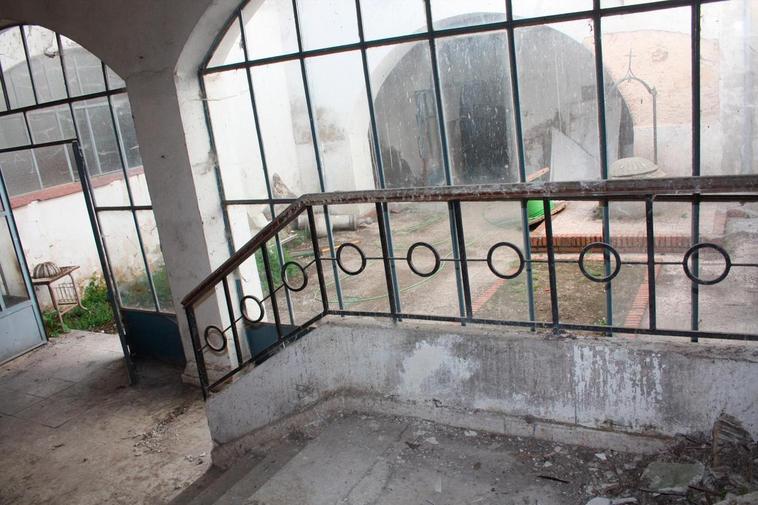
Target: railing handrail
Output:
[(596, 189)]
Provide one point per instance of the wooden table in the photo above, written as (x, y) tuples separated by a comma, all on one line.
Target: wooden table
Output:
[(65, 296)]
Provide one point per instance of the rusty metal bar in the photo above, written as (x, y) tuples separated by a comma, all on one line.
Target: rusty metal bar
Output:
[(633, 189)]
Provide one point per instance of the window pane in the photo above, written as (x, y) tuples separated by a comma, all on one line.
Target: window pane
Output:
[(20, 172), (534, 8), (84, 71), (342, 120), (130, 149), (406, 115), (286, 129), (101, 154), (114, 80), (229, 49), (380, 19), (269, 28), (556, 75), (476, 94), (13, 131), (729, 112), (234, 134), (46, 63), (12, 284), (327, 23), (51, 124), (55, 165), (15, 69), (454, 13), (647, 57), (127, 265), (154, 254)]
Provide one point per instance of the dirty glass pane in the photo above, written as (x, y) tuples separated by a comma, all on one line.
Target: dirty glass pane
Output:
[(556, 73), (380, 19), (45, 62), (485, 225), (437, 292), (51, 124), (285, 129), (535, 8), (728, 108), (127, 265), (12, 285), (630, 288), (15, 70), (476, 95), (13, 131), (154, 256), (454, 13), (101, 155), (729, 305), (114, 80), (234, 134), (229, 49), (327, 23), (269, 28), (127, 138), (56, 165), (342, 120), (646, 58), (84, 71), (406, 115), (20, 172), (356, 225)]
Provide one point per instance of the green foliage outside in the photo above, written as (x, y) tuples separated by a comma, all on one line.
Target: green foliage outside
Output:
[(136, 293), (98, 315)]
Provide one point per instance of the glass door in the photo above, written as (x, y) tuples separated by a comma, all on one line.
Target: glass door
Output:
[(20, 322)]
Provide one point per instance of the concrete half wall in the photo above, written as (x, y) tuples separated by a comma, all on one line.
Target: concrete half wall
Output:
[(627, 393)]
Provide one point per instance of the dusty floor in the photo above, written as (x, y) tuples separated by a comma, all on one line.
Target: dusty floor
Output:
[(72, 431), (355, 459)]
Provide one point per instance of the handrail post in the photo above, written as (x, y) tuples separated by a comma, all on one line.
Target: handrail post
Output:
[(202, 372), (458, 216), (271, 290), (386, 257), (551, 265), (317, 259)]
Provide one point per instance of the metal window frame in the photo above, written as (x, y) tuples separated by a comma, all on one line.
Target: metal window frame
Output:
[(71, 101), (595, 15)]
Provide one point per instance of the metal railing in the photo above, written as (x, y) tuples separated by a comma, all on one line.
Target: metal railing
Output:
[(215, 336)]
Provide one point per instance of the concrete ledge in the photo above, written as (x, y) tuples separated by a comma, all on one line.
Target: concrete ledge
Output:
[(629, 394)]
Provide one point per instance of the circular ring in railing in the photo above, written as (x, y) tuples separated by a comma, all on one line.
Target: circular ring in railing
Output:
[(707, 245), (215, 329), (607, 247), (340, 249), (243, 309), (409, 259), (498, 273), (285, 280)]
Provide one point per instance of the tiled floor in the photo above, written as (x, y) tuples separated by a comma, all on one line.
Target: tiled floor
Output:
[(73, 431)]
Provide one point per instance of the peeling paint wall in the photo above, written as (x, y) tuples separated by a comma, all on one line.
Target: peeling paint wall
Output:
[(498, 381)]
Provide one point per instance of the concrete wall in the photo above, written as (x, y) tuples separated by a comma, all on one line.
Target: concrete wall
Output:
[(584, 390)]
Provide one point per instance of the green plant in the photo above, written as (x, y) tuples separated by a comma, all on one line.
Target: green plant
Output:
[(96, 316)]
